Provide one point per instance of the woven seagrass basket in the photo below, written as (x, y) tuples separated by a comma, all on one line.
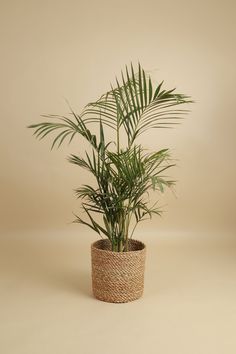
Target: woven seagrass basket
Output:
[(118, 276)]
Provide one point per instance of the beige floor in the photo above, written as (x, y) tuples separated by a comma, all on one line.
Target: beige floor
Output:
[(189, 305)]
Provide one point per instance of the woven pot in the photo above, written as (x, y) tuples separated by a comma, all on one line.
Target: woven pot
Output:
[(118, 276)]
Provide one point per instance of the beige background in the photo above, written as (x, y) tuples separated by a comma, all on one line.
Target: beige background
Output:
[(52, 50)]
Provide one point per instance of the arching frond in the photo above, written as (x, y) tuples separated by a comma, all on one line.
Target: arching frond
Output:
[(136, 105), (123, 176)]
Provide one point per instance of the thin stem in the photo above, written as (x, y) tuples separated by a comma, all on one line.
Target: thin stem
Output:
[(118, 137), (126, 234)]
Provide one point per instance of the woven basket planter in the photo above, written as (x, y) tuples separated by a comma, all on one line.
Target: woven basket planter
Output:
[(118, 276)]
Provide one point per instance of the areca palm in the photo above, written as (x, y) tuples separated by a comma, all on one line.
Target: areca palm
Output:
[(123, 175)]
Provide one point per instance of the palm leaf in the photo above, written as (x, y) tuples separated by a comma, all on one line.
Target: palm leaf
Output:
[(123, 176), (133, 103)]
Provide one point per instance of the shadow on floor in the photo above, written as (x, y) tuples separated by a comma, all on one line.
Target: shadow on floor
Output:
[(46, 266), (74, 281)]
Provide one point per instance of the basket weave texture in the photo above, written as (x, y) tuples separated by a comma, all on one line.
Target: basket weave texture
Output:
[(118, 276)]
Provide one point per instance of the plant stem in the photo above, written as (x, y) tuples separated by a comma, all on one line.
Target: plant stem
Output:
[(118, 140)]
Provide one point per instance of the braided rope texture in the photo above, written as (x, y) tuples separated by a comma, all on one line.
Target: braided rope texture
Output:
[(118, 276)]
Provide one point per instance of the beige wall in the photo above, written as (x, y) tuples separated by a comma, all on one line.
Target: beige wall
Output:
[(51, 50)]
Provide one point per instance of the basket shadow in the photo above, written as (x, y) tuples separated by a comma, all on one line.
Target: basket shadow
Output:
[(37, 264), (73, 281)]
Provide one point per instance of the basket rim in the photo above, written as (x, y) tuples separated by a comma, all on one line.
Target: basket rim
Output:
[(93, 247)]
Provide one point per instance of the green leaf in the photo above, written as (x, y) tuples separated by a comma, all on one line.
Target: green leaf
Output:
[(123, 175)]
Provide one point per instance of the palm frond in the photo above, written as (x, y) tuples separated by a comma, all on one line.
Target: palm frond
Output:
[(125, 175), (136, 105)]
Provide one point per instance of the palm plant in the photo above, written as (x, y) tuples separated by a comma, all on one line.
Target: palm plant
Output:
[(123, 174)]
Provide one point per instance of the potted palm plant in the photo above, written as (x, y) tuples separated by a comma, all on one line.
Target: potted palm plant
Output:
[(124, 172)]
